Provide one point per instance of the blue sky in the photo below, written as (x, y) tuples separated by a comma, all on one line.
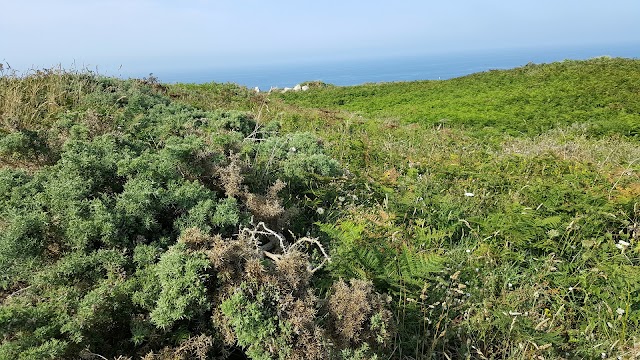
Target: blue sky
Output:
[(164, 34)]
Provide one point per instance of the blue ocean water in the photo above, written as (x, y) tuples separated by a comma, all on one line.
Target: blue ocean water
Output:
[(387, 69)]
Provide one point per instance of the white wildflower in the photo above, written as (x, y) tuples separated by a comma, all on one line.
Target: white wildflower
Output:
[(622, 245), (341, 198), (292, 149), (320, 211), (469, 194), (620, 311)]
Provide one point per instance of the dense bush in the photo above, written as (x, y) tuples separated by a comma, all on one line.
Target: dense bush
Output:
[(114, 204)]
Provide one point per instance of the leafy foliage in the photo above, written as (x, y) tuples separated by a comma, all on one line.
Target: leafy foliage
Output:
[(490, 216), (485, 202), (103, 197), (182, 279)]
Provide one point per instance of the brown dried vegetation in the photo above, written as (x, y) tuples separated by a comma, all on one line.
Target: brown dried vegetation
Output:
[(280, 285), (352, 308)]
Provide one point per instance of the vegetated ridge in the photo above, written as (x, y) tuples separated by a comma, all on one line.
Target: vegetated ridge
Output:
[(490, 216)]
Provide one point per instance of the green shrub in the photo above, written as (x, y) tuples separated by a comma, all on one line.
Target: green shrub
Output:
[(113, 206), (182, 279)]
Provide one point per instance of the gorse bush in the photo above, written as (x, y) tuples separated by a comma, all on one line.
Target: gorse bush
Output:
[(114, 204)]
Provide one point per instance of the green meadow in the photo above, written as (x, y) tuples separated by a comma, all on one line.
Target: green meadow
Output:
[(491, 216)]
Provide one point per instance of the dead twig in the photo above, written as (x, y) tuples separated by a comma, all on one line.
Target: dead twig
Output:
[(276, 238)]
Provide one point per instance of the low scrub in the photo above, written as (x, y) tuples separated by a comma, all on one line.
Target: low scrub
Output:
[(135, 226), (494, 216)]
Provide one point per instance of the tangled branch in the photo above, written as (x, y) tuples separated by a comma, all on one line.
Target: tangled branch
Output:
[(277, 239)]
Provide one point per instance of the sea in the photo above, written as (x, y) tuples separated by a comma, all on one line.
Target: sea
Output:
[(381, 68)]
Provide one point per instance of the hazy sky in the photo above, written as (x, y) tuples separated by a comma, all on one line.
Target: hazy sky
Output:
[(199, 33)]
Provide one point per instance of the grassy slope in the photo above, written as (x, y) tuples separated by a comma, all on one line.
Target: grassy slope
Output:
[(528, 265), (531, 99), (532, 265)]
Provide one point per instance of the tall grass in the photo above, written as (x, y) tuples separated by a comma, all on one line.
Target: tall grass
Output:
[(548, 155), (28, 101)]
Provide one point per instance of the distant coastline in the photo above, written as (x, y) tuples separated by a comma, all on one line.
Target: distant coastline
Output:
[(407, 68)]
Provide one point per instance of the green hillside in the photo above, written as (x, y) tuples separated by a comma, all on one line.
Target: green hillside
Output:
[(532, 99), (493, 216)]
